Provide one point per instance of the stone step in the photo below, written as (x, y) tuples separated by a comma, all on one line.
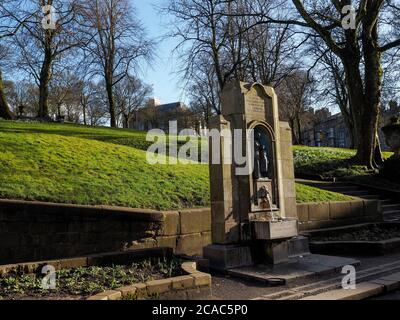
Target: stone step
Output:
[(392, 213), (342, 188), (362, 291), (372, 197), (357, 193), (391, 207), (385, 271)]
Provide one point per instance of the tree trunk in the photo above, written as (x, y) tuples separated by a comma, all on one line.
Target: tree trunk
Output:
[(363, 115), (300, 137), (84, 114), (45, 76), (111, 102), (291, 125), (373, 88), (126, 121), (5, 111)]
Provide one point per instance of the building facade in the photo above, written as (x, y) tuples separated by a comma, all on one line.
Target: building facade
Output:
[(333, 132), (158, 116)]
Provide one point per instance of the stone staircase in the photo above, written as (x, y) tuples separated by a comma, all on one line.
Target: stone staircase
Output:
[(390, 203)]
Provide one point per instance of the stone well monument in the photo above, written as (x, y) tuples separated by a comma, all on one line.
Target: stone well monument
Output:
[(254, 214)]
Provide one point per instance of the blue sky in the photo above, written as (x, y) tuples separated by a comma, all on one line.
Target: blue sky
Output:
[(161, 72)]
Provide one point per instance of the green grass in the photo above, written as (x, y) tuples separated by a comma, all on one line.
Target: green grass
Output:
[(310, 194), (88, 165), (62, 163), (328, 162)]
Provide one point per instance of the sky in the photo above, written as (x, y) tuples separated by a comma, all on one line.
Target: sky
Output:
[(160, 74)]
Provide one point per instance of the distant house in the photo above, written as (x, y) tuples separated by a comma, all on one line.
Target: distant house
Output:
[(333, 132), (158, 116)]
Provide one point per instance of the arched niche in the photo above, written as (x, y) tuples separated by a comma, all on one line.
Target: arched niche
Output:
[(264, 138)]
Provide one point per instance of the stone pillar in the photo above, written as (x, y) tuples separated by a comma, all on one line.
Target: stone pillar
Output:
[(250, 209), (225, 222), (288, 196)]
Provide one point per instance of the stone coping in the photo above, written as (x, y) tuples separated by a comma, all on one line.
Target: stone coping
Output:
[(86, 261), (189, 286)]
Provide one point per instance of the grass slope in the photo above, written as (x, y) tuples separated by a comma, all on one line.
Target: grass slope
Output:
[(86, 165), (328, 162), (57, 166), (310, 194)]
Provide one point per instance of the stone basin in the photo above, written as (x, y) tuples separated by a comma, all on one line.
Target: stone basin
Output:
[(275, 230)]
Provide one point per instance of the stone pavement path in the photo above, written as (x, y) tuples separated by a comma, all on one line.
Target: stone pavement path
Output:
[(230, 288)]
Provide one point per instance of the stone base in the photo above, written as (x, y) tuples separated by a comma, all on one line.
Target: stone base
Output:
[(299, 246), (297, 269), (224, 257), (279, 251)]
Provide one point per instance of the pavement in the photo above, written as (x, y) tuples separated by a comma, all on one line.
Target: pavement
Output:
[(226, 287)]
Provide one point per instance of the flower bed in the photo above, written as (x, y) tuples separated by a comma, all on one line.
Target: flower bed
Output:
[(82, 282)]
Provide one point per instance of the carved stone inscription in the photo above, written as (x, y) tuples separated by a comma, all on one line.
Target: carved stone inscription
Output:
[(256, 104)]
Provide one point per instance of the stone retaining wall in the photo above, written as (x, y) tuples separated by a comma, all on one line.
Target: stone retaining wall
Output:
[(336, 214), (34, 231), (191, 286)]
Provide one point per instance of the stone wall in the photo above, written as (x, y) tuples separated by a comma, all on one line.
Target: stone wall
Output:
[(34, 231), (336, 214)]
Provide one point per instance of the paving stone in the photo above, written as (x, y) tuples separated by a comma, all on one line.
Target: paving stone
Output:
[(363, 290), (390, 285), (393, 277)]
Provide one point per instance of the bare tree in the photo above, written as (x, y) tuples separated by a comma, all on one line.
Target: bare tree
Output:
[(117, 43), (221, 40), (42, 47), (360, 48), (295, 94), (64, 96), (331, 79), (206, 34), (130, 95), (9, 26)]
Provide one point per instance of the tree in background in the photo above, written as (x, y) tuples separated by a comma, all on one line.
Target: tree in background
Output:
[(41, 48), (220, 41), (295, 94), (116, 43), (360, 49), (9, 26), (130, 95), (331, 81)]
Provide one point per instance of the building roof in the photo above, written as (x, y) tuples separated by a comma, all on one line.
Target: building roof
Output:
[(169, 107)]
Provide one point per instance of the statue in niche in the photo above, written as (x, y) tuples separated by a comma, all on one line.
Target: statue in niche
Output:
[(261, 162)]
